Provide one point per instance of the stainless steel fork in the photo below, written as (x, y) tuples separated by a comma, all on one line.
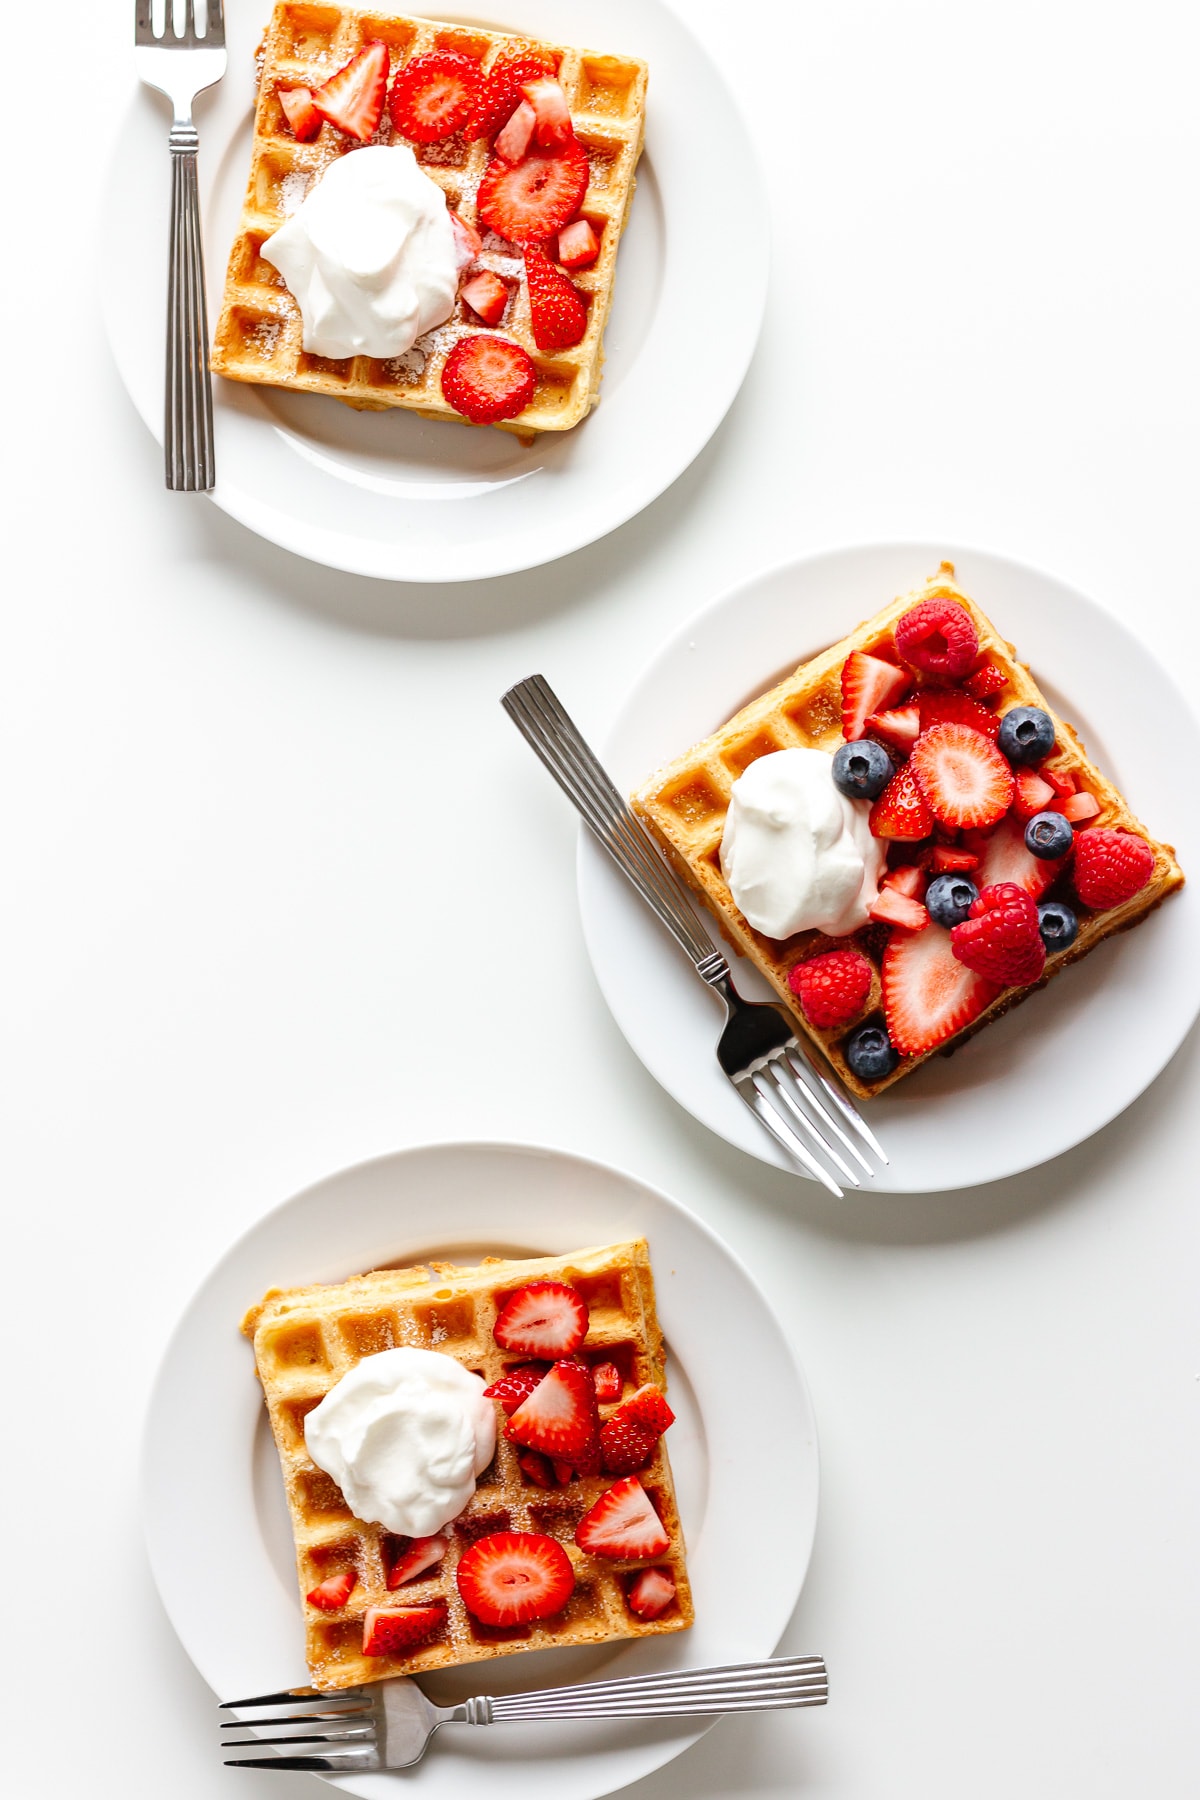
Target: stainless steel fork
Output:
[(181, 65), (388, 1725), (758, 1049)]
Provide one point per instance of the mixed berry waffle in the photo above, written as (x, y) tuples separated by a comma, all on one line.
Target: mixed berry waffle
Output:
[(983, 850), (534, 148), (572, 1533)]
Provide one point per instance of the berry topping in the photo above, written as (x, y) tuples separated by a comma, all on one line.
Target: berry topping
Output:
[(900, 811), (1059, 779), (516, 137), (1048, 835), (556, 308), (949, 898), (486, 295), (553, 128), (543, 1318), (928, 995), (894, 908), (391, 1630), (862, 769), (434, 95), (559, 1417), (578, 245), (869, 1052), (899, 728), (868, 686), (963, 778), (334, 1592), (908, 878), (501, 92), (488, 378), (623, 1524), (938, 637), (564, 1472), (650, 1593), (1032, 794), (531, 200), (625, 1445), (606, 1379), (540, 1470), (1058, 925), (1003, 856), (414, 1556), (1001, 940), (1026, 734), (515, 1386), (467, 240), (985, 681), (300, 113), (648, 1406), (353, 98), (1111, 867), (948, 861), (1081, 806), (832, 988), (511, 1577), (947, 706)]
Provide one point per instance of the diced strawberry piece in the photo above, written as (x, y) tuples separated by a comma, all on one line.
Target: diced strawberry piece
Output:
[(899, 728), (564, 1472), (832, 988), (1079, 807), (1061, 780), (623, 1524), (543, 1318), (353, 98), (538, 1468), (556, 308), (648, 1406), (893, 908), (390, 1630), (1110, 866), (488, 378), (908, 879), (985, 681), (650, 1593), (948, 861), (549, 102), (578, 245), (962, 777), (511, 1577), (625, 1445), (300, 113), (434, 95), (334, 1592), (938, 636), (869, 685), (1032, 795), (530, 201), (467, 241), (948, 706), (501, 91), (417, 1555), (559, 1418), (516, 137), (928, 995), (900, 811), (606, 1379), (1003, 857), (487, 295), (1001, 939), (515, 1385)]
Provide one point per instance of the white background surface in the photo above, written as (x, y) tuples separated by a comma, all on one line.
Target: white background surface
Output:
[(272, 850)]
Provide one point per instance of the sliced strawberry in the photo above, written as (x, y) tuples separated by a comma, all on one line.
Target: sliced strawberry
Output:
[(625, 1445), (501, 90), (539, 1469), (334, 1592), (516, 137), (488, 378), (948, 861), (963, 778), (543, 1318), (467, 241), (530, 201), (908, 879), (559, 1417), (1061, 780), (353, 98), (434, 95), (1080, 806), (648, 1406), (868, 686), (623, 1524), (1032, 795), (564, 1472), (894, 908), (301, 114), (417, 1555), (900, 811), (556, 308), (515, 1386), (549, 102), (650, 1593), (578, 245), (928, 995), (606, 1379), (390, 1630), (487, 295), (1005, 858), (511, 1577), (985, 681), (899, 728), (947, 706)]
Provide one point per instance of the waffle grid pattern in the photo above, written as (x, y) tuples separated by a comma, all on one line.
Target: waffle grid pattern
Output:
[(307, 1338), (684, 806), (259, 332)]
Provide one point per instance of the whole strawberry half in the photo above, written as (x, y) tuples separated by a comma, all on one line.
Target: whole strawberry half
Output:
[(511, 1577), (869, 685), (963, 778), (901, 811), (352, 99), (557, 311), (391, 1630), (515, 1386), (623, 1524), (831, 988), (625, 1445), (543, 1318), (928, 995), (1001, 940), (434, 95), (500, 94), (559, 1418), (530, 201), (1110, 866)]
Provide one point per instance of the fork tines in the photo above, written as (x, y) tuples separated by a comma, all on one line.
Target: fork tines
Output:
[(214, 25)]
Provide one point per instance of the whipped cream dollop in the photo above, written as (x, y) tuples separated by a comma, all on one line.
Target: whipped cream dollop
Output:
[(404, 1433), (370, 255), (797, 853)]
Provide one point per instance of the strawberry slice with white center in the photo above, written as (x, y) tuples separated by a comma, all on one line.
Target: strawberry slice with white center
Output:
[(353, 98), (300, 113), (869, 685), (623, 1524), (606, 1379), (511, 1577), (1033, 795), (578, 245), (894, 908), (928, 994), (516, 137), (963, 778), (1005, 858), (559, 1418), (650, 1593), (334, 1592), (534, 199), (543, 1318), (553, 126), (467, 241), (434, 95), (391, 1630), (417, 1555), (900, 727)]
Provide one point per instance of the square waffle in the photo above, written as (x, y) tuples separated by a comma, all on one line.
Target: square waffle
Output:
[(305, 1339), (258, 334), (684, 806)]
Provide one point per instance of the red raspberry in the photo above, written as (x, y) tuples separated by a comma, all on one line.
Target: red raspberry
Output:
[(1110, 866), (938, 636), (831, 988), (1000, 939)]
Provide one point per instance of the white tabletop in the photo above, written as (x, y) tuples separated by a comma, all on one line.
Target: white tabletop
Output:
[(271, 843)]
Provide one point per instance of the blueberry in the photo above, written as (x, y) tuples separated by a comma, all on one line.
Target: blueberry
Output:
[(1026, 734), (869, 1053), (1048, 835), (948, 899), (1057, 924), (862, 770)]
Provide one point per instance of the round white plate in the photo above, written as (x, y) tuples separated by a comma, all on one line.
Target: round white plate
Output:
[(392, 495), (219, 1540), (1055, 1069)]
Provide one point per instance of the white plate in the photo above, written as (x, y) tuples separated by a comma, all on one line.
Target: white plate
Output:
[(1055, 1069), (220, 1545), (391, 495)]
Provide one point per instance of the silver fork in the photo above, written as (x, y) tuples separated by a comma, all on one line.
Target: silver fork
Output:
[(758, 1049), (181, 67), (388, 1725)]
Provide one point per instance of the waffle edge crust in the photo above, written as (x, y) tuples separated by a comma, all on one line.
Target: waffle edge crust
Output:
[(259, 330), (305, 1339), (684, 804)]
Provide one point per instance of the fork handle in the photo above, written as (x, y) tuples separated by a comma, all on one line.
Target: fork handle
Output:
[(188, 425), (752, 1687)]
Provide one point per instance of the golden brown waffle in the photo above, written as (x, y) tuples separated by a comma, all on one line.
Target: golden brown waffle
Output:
[(305, 1339), (684, 806), (258, 335)]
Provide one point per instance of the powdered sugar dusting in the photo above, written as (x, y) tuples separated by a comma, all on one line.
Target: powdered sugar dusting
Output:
[(408, 367), (265, 337), (293, 190)]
